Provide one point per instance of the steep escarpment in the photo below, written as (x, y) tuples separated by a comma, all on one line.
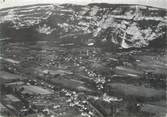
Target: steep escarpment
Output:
[(124, 26)]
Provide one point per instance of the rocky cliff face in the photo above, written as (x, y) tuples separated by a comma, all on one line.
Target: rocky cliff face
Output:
[(121, 26)]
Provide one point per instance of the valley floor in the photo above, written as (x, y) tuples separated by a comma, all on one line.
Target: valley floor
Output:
[(46, 78)]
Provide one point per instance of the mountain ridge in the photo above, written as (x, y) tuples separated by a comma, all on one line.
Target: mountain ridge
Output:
[(126, 26), (79, 5)]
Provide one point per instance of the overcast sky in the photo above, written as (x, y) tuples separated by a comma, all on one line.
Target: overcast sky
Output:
[(11, 3)]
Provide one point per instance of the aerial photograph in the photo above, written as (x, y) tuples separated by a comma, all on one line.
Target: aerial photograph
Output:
[(78, 58)]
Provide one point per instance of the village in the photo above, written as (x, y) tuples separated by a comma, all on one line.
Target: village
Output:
[(87, 85)]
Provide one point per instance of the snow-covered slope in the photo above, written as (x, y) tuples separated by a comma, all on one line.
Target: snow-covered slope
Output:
[(125, 26)]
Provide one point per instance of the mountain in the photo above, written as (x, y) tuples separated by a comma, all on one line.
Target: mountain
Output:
[(114, 25)]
